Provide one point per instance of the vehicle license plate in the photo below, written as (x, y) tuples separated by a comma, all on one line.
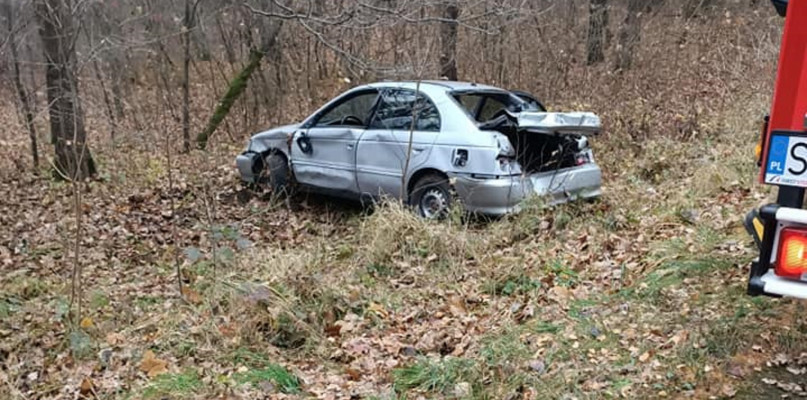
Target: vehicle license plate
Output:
[(787, 161)]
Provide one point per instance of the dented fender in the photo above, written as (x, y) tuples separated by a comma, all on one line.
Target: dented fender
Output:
[(250, 161), (278, 139)]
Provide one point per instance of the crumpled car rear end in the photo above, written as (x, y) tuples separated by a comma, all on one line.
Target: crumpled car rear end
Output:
[(504, 195), (552, 153)]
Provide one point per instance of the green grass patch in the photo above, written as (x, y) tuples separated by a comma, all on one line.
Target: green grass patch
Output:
[(380, 270), (564, 276), (99, 300), (279, 376), (512, 285), (181, 385), (263, 370), (504, 347), (437, 376), (148, 301), (8, 306), (578, 308), (678, 260)]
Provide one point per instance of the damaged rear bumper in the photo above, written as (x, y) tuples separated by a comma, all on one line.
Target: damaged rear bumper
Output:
[(583, 182), (497, 196), (504, 195)]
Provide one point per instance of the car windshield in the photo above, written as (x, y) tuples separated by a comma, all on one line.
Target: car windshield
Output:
[(485, 106)]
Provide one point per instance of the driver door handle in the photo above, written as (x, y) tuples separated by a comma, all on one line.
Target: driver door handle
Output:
[(350, 146)]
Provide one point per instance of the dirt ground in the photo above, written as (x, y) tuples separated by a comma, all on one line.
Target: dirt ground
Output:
[(637, 295)]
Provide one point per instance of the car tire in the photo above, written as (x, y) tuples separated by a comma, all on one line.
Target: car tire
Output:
[(431, 196), (275, 175)]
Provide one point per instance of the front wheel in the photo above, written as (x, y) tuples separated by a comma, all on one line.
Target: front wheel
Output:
[(275, 175), (431, 196)]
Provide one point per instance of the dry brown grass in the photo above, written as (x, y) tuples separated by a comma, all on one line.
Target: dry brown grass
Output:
[(634, 295)]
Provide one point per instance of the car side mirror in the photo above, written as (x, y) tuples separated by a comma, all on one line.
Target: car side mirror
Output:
[(781, 6)]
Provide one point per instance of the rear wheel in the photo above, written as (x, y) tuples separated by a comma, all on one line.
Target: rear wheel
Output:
[(431, 196)]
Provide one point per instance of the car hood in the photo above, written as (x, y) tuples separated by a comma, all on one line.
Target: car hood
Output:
[(275, 138), (275, 133), (571, 123)]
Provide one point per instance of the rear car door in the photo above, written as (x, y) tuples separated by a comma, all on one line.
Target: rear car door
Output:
[(323, 154), (402, 116)]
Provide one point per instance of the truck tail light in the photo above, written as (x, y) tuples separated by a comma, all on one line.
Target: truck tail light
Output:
[(791, 259)]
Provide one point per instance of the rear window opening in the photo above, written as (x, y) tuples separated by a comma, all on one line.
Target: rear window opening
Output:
[(487, 106)]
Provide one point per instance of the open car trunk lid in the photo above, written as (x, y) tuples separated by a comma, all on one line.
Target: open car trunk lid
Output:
[(550, 123), (565, 123), (547, 141)]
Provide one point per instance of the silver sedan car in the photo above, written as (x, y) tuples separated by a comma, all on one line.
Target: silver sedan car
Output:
[(432, 144)]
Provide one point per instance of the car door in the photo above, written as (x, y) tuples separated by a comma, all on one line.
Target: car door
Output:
[(323, 153), (399, 117)]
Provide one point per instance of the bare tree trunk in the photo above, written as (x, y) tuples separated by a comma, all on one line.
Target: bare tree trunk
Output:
[(111, 65), (597, 25), (113, 125), (501, 67), (448, 40), (198, 36), (411, 141), (110, 113), (73, 158), (22, 93), (228, 48), (269, 30), (188, 24), (629, 35), (117, 93)]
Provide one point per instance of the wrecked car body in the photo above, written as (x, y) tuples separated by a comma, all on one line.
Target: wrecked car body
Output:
[(431, 143)]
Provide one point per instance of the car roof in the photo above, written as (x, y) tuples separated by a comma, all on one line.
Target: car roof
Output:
[(446, 85)]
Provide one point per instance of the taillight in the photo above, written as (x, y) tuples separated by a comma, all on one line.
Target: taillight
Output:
[(581, 159), (791, 259), (505, 161)]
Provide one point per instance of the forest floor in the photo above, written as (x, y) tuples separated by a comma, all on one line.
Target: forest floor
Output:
[(638, 295)]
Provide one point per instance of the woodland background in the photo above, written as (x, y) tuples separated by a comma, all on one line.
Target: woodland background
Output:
[(143, 269)]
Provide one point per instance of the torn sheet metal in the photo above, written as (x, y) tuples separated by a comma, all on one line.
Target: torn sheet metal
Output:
[(579, 123)]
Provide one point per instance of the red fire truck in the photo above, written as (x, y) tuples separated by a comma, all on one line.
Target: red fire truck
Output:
[(780, 229)]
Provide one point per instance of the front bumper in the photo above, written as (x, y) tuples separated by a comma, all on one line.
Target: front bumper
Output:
[(504, 195), (247, 163)]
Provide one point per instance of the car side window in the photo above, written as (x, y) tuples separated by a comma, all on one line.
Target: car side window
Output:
[(491, 107), (353, 111), (470, 102), (400, 107)]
